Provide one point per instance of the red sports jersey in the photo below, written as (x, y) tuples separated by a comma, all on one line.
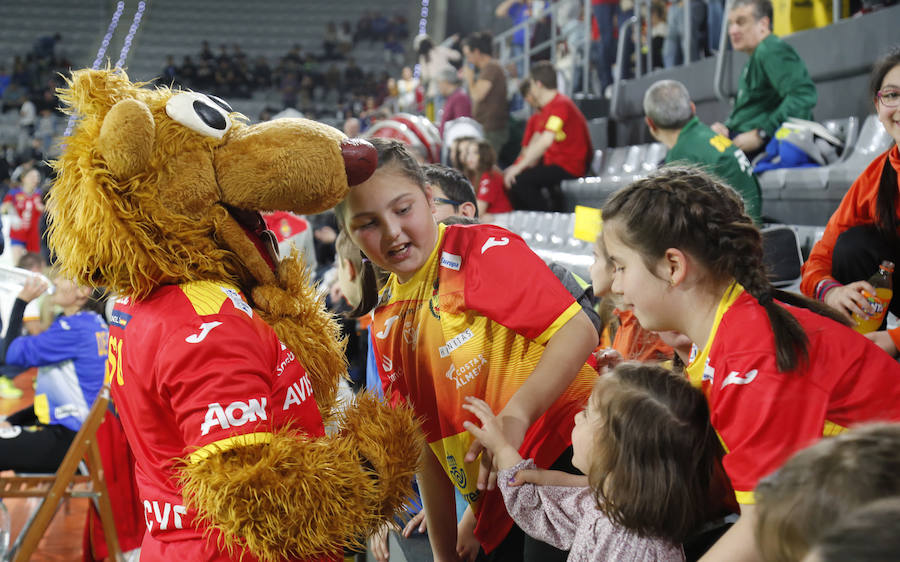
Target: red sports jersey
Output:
[(492, 192), (466, 325), (763, 416), (193, 369), (29, 208), (571, 149), (535, 124)]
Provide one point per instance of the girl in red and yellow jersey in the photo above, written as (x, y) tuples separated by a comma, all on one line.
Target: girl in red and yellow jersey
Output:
[(779, 370), (467, 311)]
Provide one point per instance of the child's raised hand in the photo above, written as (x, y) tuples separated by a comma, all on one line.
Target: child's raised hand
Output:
[(608, 358), (490, 434), (542, 477)]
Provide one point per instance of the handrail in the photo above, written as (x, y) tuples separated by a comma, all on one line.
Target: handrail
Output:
[(687, 34), (587, 14), (617, 82), (649, 36), (552, 11), (837, 10), (720, 57)]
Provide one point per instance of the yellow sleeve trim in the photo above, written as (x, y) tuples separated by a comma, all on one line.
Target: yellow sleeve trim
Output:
[(554, 123), (567, 315), (830, 429), (42, 408), (205, 296), (746, 498), (230, 443)]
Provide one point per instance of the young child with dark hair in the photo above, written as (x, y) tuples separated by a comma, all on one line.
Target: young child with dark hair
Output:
[(452, 193), (480, 162), (779, 370), (803, 499), (629, 341), (449, 325), (650, 456)]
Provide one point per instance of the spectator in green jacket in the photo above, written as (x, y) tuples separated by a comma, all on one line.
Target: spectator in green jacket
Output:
[(774, 84), (670, 115)]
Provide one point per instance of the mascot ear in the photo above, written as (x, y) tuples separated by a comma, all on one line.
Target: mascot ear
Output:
[(126, 138)]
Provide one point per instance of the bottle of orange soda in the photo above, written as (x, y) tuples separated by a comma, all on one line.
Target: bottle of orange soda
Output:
[(878, 302)]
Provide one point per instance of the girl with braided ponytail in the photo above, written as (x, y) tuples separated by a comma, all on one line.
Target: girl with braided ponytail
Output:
[(778, 370)]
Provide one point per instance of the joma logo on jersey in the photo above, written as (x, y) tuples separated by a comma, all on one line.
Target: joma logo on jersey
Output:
[(735, 377), (387, 327), (491, 242), (298, 392), (235, 414), (205, 329)]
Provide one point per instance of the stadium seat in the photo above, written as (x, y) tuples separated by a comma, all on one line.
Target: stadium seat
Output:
[(782, 255), (872, 141), (655, 155)]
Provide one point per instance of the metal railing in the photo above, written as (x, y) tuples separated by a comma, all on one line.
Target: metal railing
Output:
[(719, 76), (582, 64), (617, 78), (638, 39)]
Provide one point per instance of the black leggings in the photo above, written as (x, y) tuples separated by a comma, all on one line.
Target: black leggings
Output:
[(537, 189), (29, 446), (857, 254)]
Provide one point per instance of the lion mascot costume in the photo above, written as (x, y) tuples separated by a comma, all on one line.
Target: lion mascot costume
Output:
[(222, 360)]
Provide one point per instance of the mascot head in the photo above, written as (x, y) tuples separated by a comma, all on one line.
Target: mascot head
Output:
[(158, 186)]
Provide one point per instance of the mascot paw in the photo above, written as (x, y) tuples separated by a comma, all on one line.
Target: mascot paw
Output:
[(391, 441)]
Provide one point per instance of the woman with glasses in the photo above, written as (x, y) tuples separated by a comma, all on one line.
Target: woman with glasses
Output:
[(865, 229)]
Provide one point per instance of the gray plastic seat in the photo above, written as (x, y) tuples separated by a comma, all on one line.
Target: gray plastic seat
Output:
[(656, 153), (872, 141), (598, 160), (782, 255)]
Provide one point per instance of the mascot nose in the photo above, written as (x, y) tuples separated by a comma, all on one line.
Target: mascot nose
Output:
[(360, 160)]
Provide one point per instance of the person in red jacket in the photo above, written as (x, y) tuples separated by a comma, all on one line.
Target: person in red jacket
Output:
[(865, 228), (560, 151)]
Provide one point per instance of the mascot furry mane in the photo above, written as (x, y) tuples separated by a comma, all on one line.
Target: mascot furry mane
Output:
[(160, 187)]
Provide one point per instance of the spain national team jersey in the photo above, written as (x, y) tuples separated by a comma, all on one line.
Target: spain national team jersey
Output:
[(28, 208), (763, 416), (571, 148), (492, 192), (193, 370), (474, 321)]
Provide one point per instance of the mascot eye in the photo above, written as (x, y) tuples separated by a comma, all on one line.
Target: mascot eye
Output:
[(207, 115), (220, 102)]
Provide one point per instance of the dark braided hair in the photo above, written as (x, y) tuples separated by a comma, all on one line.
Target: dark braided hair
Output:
[(683, 207)]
